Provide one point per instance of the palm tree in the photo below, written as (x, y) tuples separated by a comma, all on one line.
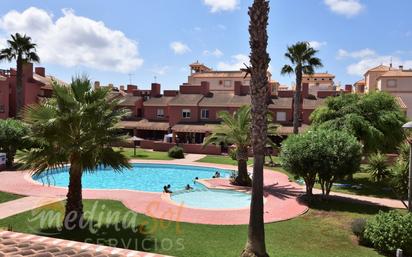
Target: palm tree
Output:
[(302, 56), (76, 126), (259, 60), (236, 129), (21, 49), (378, 166)]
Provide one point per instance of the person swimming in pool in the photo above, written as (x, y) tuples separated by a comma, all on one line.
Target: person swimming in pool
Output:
[(194, 181), (166, 190), (217, 174), (188, 187)]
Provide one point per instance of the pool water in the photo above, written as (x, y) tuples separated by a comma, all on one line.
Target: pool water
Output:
[(141, 177), (215, 199)]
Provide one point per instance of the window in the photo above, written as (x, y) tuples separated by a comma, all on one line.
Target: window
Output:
[(391, 83), (160, 113), (204, 114), (228, 83), (186, 113), (280, 116)]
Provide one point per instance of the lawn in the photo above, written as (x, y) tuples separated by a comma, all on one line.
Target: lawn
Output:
[(323, 231), (145, 154), (5, 197), (369, 187)]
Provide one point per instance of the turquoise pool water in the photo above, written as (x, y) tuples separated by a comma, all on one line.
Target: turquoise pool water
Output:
[(216, 199), (142, 177)]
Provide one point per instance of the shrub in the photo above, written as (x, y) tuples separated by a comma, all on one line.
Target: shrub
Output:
[(176, 152), (378, 167), (399, 178), (358, 226), (388, 231)]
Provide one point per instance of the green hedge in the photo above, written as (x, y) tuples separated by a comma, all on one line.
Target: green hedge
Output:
[(176, 152)]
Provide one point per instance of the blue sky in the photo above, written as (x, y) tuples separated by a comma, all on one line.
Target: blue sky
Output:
[(108, 40)]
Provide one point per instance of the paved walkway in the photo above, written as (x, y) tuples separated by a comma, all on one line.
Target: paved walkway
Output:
[(24, 204), (281, 198), (18, 244)]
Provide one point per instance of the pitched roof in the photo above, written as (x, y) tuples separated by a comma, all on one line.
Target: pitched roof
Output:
[(193, 128), (309, 104), (47, 81), (186, 100), (158, 101), (129, 100), (224, 99), (397, 73), (281, 103), (360, 82), (379, 68), (144, 125), (219, 74), (319, 75)]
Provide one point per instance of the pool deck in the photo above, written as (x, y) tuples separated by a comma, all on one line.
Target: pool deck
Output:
[(281, 197)]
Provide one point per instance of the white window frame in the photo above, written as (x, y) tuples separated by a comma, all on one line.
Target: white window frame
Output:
[(160, 113), (186, 113), (202, 112), (394, 83), (281, 118)]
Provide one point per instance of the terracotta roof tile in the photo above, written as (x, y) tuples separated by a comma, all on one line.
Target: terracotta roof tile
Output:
[(224, 100), (281, 103), (186, 100), (312, 104), (397, 73), (158, 101)]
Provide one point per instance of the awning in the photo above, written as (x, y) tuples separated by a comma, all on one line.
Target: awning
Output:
[(144, 125), (186, 128)]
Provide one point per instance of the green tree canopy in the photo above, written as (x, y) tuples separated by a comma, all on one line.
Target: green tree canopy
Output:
[(12, 138), (76, 126), (374, 118), (325, 154)]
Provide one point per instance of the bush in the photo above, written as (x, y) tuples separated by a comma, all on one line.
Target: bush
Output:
[(389, 231), (358, 226), (176, 152), (378, 166)]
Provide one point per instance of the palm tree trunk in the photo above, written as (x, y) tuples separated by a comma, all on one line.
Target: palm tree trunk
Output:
[(297, 101), (259, 59), (242, 178), (73, 216), (19, 85)]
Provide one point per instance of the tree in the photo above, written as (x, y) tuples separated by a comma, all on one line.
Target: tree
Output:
[(12, 138), (236, 129), (21, 49), (302, 57), (259, 59), (375, 119), (326, 154), (378, 166), (76, 126)]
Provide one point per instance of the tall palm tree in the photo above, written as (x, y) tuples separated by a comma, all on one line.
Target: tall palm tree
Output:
[(259, 60), (77, 127), (302, 57), (21, 49), (236, 129)]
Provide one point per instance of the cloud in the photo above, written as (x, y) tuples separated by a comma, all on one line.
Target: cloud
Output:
[(347, 8), (179, 47), (73, 40), (368, 58), (355, 54), (160, 70), (215, 53), (236, 63), (317, 45), (221, 5)]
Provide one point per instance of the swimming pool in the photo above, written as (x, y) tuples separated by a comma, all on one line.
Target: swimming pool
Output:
[(141, 177), (216, 199)]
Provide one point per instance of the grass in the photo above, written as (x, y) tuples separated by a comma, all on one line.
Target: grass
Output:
[(6, 197), (324, 231), (221, 159), (145, 154)]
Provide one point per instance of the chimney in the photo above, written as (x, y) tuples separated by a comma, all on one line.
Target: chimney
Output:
[(155, 90), (238, 88), (131, 88), (305, 90), (401, 67), (97, 84), (41, 71), (28, 70), (170, 92), (348, 88), (204, 88), (122, 88)]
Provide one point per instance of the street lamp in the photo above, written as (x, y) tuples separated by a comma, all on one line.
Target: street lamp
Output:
[(408, 127), (135, 141)]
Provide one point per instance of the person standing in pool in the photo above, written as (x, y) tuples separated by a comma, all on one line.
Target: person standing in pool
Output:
[(194, 181), (166, 190), (188, 187)]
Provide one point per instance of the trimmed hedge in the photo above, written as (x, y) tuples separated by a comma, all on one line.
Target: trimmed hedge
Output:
[(176, 152), (388, 231)]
